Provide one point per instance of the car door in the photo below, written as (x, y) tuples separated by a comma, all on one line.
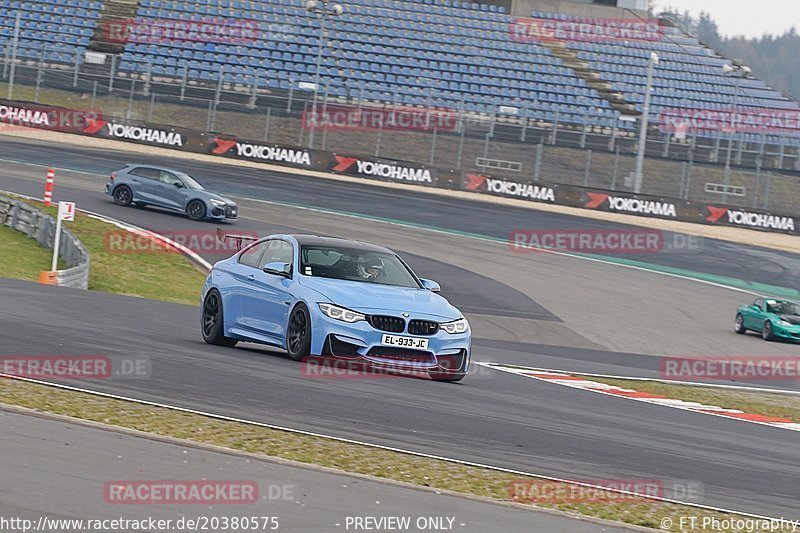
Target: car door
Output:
[(267, 298), (245, 265), (754, 315), (144, 182), (171, 190)]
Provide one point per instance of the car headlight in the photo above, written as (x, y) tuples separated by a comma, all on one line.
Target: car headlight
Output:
[(340, 313), (784, 323), (218, 203), (457, 326)]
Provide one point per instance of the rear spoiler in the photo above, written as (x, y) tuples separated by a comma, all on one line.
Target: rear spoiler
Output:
[(239, 240)]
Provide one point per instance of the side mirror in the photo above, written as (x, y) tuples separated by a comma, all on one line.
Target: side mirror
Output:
[(179, 185), (279, 269), (756, 307), (430, 285)]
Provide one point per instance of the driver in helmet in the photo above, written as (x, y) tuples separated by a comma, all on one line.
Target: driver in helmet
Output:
[(372, 269)]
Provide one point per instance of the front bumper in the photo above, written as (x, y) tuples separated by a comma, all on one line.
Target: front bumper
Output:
[(230, 212), (360, 341), (790, 333)]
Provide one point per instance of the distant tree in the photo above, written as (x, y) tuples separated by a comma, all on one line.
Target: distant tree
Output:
[(773, 58), (707, 30)]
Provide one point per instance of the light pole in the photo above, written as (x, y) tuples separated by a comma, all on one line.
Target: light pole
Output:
[(637, 176), (739, 71), (323, 9)]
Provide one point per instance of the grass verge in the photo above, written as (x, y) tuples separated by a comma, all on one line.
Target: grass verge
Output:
[(157, 275), (23, 258), (348, 457)]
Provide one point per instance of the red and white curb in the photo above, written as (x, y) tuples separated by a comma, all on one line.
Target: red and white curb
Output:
[(578, 382)]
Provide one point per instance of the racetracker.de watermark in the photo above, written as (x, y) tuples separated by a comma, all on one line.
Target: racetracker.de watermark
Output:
[(585, 491), (534, 30), (54, 367), (743, 120), (329, 367), (199, 242), (730, 368), (186, 492), (215, 30), (378, 118), (546, 491), (617, 241)]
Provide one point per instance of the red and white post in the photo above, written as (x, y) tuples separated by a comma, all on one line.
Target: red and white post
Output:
[(48, 186)]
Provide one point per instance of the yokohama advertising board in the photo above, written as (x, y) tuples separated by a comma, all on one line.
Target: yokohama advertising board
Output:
[(386, 170)]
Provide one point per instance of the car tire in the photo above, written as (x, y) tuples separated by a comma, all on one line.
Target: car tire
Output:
[(123, 195), (212, 324), (738, 325), (298, 333), (766, 332), (196, 210)]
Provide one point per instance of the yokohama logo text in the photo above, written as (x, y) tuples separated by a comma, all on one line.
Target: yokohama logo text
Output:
[(24, 116), (634, 205), (525, 190), (138, 133), (274, 153), (383, 170), (760, 220)]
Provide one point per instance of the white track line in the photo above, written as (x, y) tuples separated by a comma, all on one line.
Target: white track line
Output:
[(446, 232), (489, 364), (419, 454), (602, 388), (376, 446)]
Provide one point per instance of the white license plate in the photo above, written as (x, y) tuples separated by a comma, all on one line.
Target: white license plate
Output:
[(406, 342)]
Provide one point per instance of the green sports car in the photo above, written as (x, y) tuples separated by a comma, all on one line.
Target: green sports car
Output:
[(774, 319)]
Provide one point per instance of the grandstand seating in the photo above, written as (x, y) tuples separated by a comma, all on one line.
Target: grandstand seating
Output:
[(56, 30), (404, 51), (689, 76)]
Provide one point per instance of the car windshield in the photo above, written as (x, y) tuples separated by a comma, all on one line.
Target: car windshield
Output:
[(190, 182), (783, 308), (356, 264)]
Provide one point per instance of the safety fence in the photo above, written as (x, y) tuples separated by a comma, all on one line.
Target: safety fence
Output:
[(40, 226), (499, 183), (748, 169)]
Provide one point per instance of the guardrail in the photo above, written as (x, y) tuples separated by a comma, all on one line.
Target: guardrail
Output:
[(40, 226)]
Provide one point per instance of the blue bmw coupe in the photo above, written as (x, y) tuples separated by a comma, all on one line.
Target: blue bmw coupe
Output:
[(336, 298)]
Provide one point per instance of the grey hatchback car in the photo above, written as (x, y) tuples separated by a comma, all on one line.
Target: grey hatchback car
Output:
[(142, 185)]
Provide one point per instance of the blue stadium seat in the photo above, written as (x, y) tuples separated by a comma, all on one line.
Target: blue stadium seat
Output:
[(459, 49)]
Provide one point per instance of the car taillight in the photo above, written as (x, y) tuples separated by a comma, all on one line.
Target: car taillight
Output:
[(113, 176)]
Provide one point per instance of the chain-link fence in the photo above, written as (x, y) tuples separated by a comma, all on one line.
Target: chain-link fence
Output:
[(761, 174)]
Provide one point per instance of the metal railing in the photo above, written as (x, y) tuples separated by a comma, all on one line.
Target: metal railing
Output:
[(557, 150), (40, 226)]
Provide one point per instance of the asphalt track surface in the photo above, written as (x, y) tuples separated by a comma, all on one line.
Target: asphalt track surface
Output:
[(83, 460), (722, 258), (552, 311)]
